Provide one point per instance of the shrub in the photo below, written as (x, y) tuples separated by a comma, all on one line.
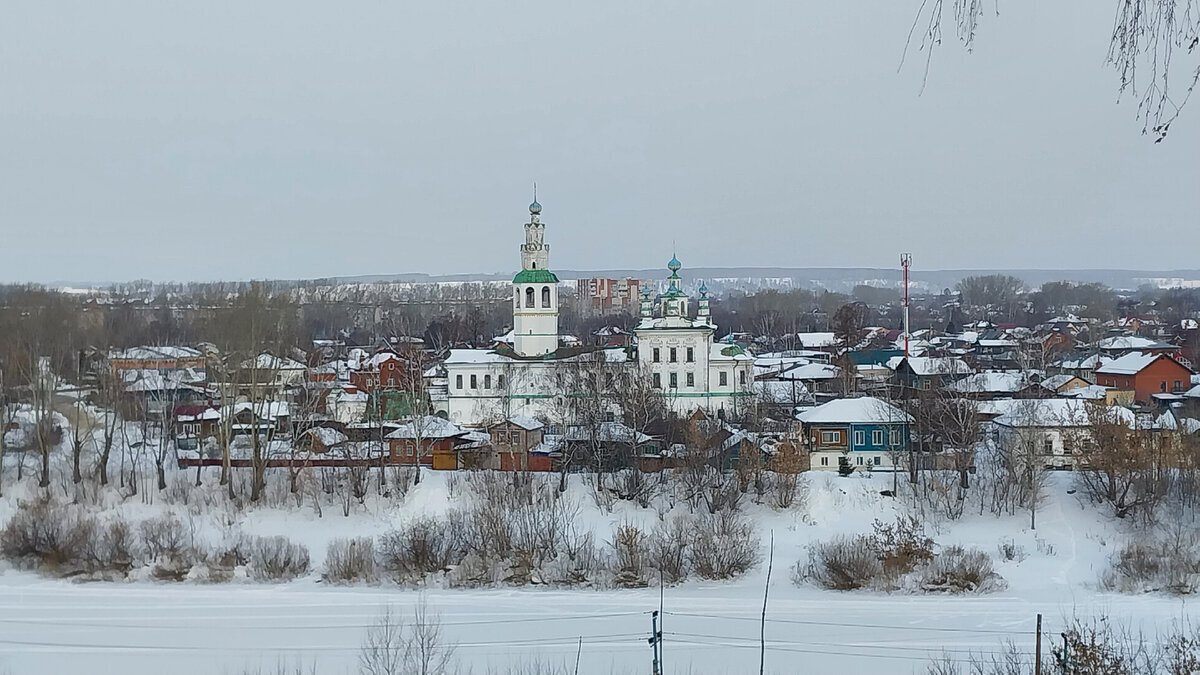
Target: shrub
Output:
[(668, 547), (629, 555), (111, 548), (165, 538), (959, 570), (277, 559), (350, 560), (842, 564), (1142, 566), (724, 546), (1011, 551), (417, 548), (901, 546), (43, 534)]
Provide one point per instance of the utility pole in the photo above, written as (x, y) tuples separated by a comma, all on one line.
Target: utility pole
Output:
[(1037, 653), (905, 263), (654, 640)]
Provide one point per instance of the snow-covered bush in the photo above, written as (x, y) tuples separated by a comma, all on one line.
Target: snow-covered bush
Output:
[(167, 538), (277, 559), (629, 556), (349, 561), (959, 570), (1170, 565), (419, 547), (47, 535), (668, 547), (901, 546), (1011, 551), (724, 546), (842, 564)]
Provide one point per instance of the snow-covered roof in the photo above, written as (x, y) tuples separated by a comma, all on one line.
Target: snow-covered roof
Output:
[(427, 427), (1061, 412), (792, 391), (990, 382), (932, 365), (862, 410), (605, 432), (206, 414), (1194, 392), (670, 322), (264, 409), (1089, 362), (153, 380), (1128, 342), (156, 353), (474, 356), (342, 395), (328, 437), (810, 371), (1056, 382), (817, 340), (1092, 392), (526, 422), (266, 361), (1129, 364)]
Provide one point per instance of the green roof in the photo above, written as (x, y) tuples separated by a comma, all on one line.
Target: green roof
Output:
[(535, 277)]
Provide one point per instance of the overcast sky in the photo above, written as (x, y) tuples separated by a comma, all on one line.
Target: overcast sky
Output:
[(209, 140)]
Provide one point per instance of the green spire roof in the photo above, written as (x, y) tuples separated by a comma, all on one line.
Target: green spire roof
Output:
[(535, 277)]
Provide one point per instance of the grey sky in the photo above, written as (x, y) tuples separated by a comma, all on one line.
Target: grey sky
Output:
[(305, 139)]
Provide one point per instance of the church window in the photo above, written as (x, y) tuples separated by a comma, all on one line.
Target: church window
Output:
[(741, 377), (691, 355), (691, 380), (723, 377), (657, 355), (499, 381), (487, 381), (458, 381), (529, 296), (673, 380), (474, 382), (656, 380), (674, 355), (545, 296)]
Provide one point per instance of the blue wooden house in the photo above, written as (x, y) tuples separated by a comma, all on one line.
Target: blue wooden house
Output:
[(866, 430)]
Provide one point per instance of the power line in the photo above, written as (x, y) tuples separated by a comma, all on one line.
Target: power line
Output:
[(856, 625)]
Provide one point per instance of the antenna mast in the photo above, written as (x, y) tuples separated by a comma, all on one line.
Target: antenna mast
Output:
[(905, 263)]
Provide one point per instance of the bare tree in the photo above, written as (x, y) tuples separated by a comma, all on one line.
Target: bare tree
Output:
[(1148, 36), (394, 646)]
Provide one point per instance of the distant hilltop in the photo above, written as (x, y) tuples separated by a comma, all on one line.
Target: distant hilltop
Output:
[(719, 279), (833, 278)]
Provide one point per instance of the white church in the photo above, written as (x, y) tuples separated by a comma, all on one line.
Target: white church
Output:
[(674, 349)]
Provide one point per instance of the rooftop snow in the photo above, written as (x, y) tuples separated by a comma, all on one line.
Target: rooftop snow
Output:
[(864, 410)]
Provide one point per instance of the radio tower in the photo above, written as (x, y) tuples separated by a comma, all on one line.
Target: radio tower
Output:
[(905, 263)]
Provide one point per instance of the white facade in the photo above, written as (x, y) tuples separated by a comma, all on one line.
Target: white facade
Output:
[(679, 355), (535, 293)]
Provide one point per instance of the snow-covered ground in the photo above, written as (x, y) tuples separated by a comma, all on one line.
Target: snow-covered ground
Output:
[(51, 626)]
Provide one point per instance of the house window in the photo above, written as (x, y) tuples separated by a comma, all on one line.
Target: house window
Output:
[(926, 384), (860, 438), (1177, 386), (674, 356), (657, 355), (895, 437), (501, 437), (877, 460), (1048, 445), (691, 355), (691, 380), (487, 381), (858, 460), (529, 296), (656, 380), (742, 377), (824, 461), (474, 382), (545, 296), (458, 381), (673, 380), (1162, 386), (877, 437), (499, 381), (831, 437)]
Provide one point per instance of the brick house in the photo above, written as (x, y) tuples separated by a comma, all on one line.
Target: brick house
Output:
[(428, 439), (1145, 374)]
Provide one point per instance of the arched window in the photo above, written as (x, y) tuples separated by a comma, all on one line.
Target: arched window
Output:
[(517, 298), (545, 296), (529, 296)]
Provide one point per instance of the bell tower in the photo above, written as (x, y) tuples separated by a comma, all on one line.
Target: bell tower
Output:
[(535, 292)]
